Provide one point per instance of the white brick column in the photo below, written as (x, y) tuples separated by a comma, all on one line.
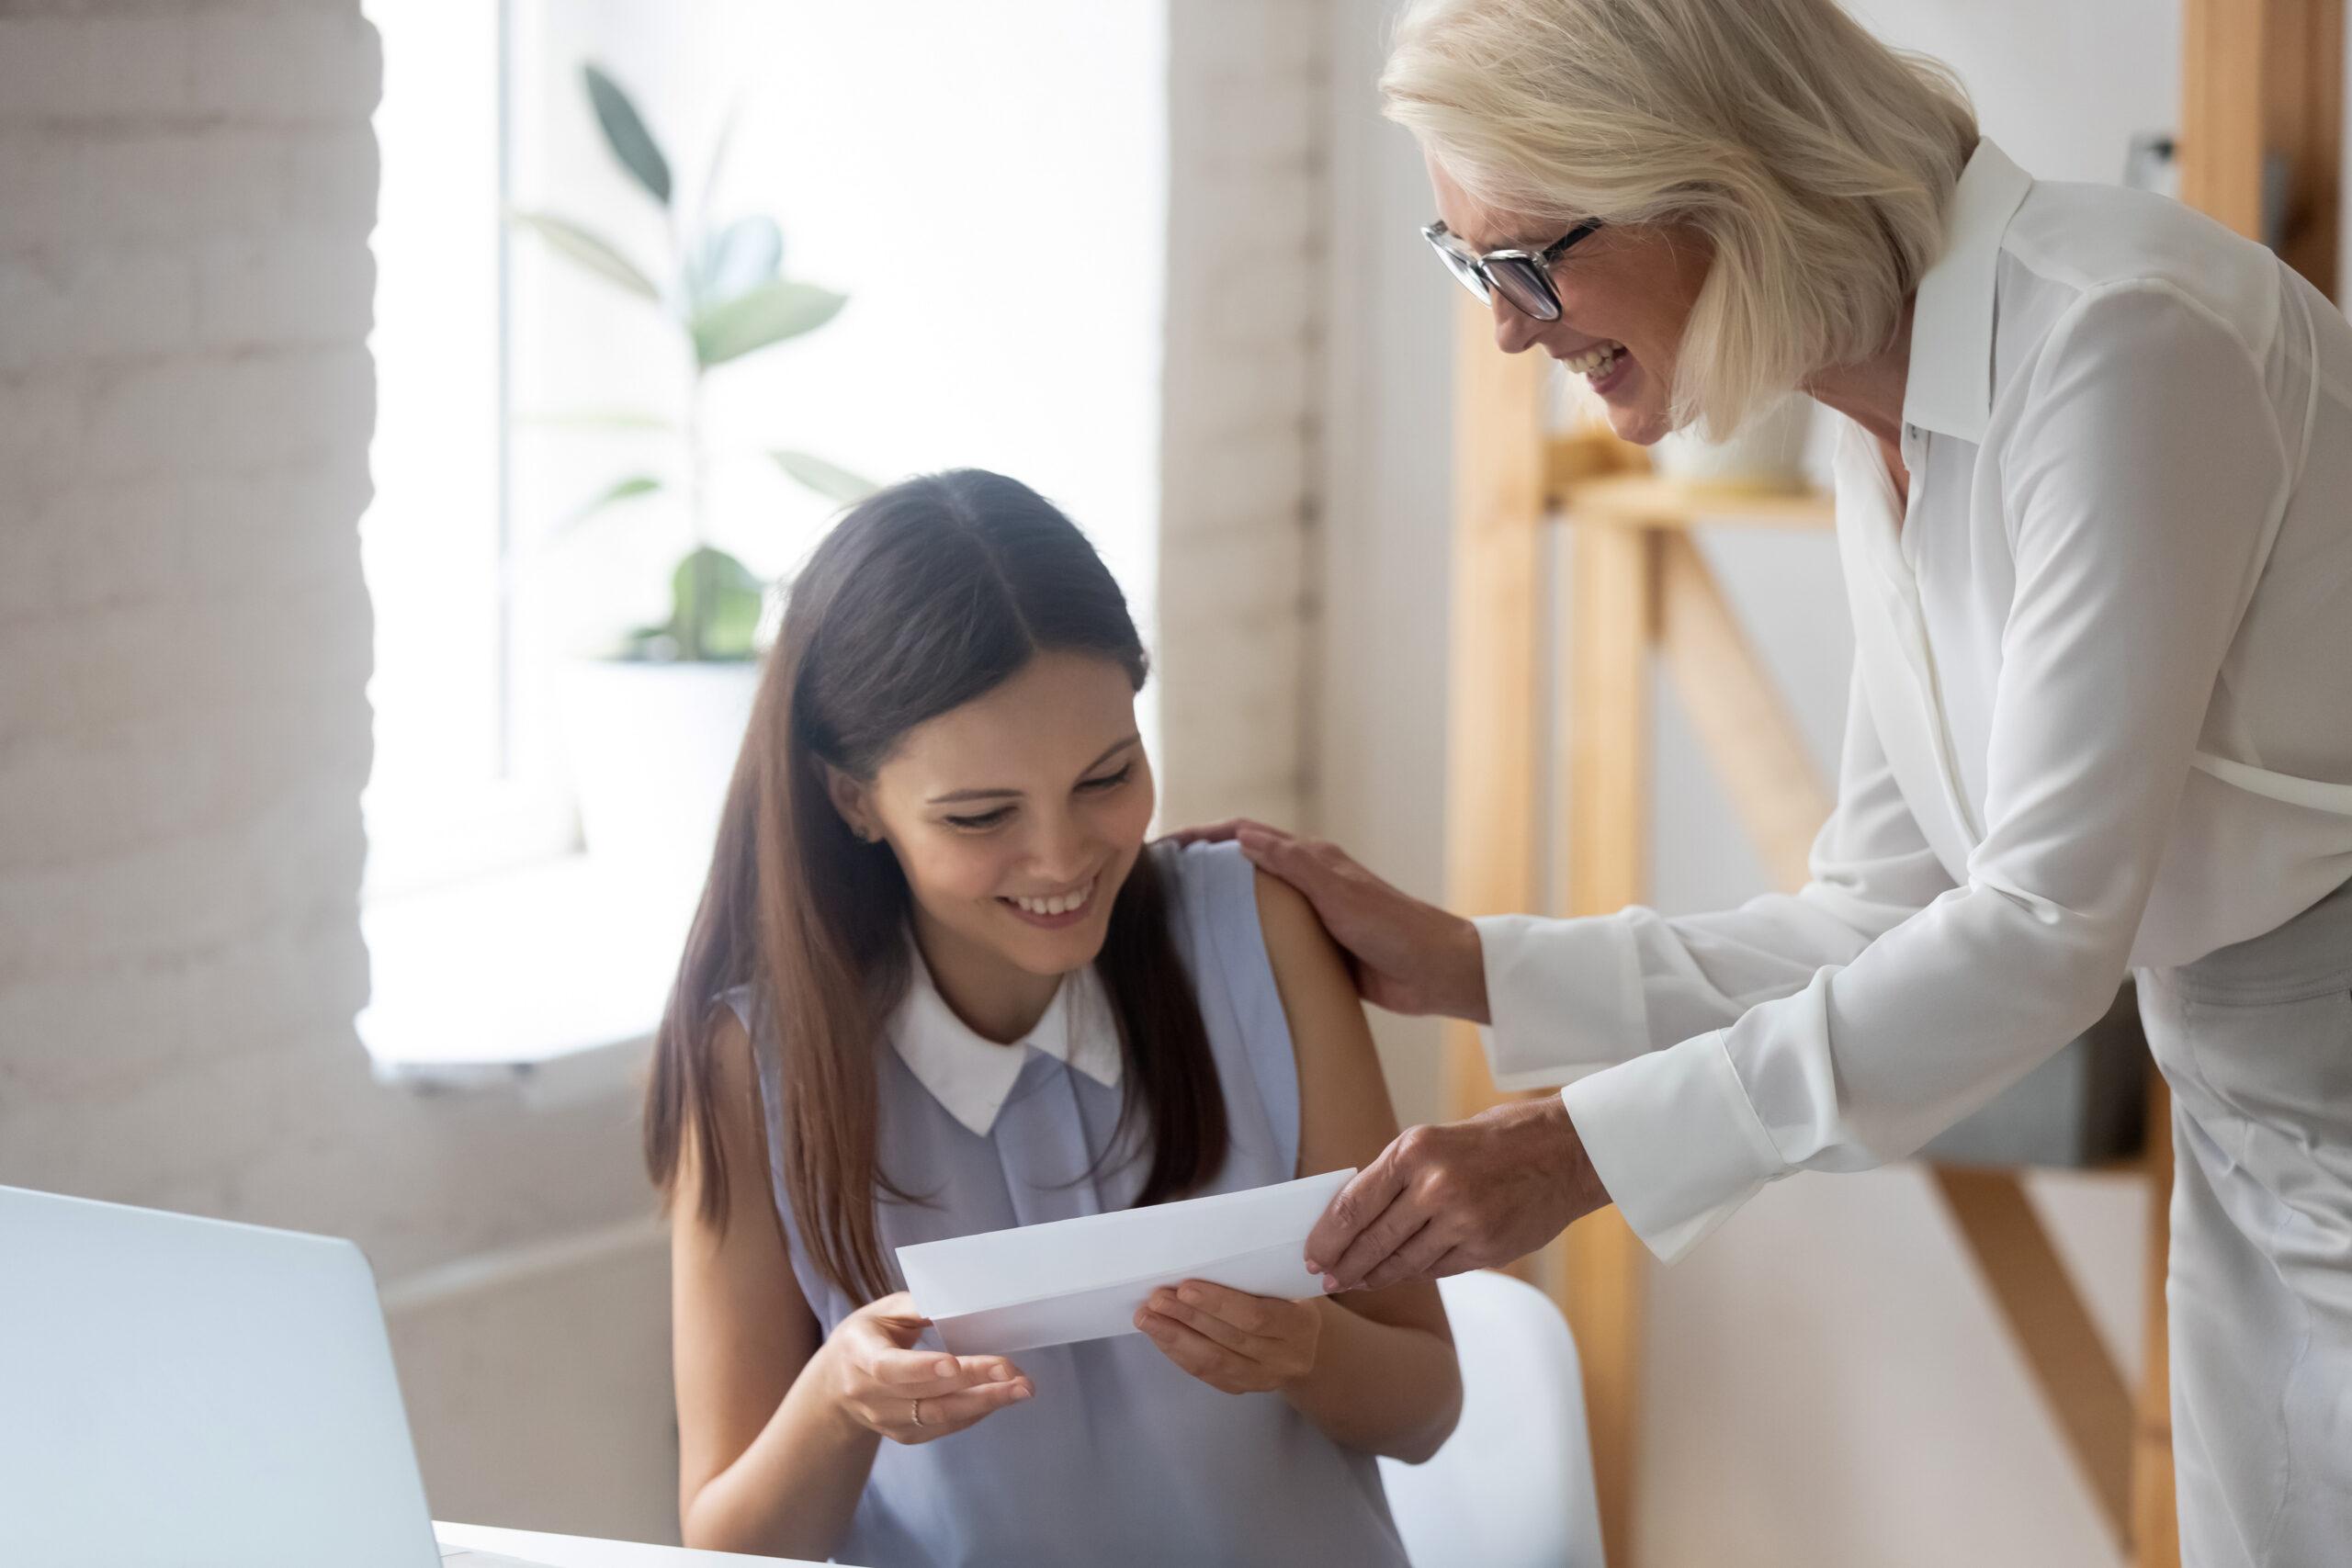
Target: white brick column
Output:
[(187, 188), (185, 402), (1241, 436)]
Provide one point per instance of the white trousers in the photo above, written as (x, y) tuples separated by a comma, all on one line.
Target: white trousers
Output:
[(2256, 1042)]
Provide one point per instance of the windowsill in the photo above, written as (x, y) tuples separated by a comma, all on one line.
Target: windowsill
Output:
[(552, 977)]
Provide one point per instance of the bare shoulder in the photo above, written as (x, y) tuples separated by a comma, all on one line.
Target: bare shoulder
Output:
[(741, 1131), (1345, 1115), (1296, 945), (740, 1328), (734, 1070)]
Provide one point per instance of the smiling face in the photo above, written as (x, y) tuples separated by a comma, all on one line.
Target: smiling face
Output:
[(1016, 817), (1625, 294)]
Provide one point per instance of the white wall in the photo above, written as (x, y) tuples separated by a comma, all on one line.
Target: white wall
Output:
[(1240, 449), (1388, 361), (1826, 1383), (186, 195)]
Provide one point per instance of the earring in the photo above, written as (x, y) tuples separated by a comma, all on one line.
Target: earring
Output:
[(864, 834)]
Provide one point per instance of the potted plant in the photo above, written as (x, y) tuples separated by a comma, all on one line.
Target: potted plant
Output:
[(653, 725)]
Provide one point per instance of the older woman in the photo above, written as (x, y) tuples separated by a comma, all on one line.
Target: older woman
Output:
[(2094, 513)]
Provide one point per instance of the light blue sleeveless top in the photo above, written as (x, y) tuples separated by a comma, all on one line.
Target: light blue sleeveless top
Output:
[(1121, 1459)]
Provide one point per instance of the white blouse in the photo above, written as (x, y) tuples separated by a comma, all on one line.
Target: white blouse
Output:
[(2101, 717)]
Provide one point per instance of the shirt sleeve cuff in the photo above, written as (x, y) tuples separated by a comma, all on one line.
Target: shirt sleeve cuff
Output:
[(1675, 1141), (1566, 998)]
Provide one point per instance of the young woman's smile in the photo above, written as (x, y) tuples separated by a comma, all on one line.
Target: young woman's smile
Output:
[(1053, 912)]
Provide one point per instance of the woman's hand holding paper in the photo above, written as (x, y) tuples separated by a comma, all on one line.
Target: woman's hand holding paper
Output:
[(881, 1382), (1233, 1342), (1445, 1199)]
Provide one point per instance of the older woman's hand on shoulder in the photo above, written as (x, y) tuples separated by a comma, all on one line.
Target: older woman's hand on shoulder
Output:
[(1407, 956)]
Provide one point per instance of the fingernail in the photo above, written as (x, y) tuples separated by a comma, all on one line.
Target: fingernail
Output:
[(1331, 1284), (1313, 1267), (1190, 1296), (1020, 1393)]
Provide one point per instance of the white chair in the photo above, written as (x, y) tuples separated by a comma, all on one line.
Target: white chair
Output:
[(1512, 1488)]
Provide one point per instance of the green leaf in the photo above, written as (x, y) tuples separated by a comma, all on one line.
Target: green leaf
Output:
[(718, 606), (769, 313), (625, 135), (827, 480), (611, 495), (597, 254), (736, 260)]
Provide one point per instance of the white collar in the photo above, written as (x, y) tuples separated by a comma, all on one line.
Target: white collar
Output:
[(971, 1075), (1950, 385)]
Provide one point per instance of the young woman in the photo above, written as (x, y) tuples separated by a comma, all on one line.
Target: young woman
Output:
[(939, 986)]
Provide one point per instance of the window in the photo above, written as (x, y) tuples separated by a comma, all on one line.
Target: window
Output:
[(444, 799), (986, 183)]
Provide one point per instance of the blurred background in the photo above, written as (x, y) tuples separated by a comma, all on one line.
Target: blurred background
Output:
[(372, 375)]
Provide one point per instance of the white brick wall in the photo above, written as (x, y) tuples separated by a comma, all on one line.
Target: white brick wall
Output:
[(1240, 434), (187, 188), (184, 396), (183, 634)]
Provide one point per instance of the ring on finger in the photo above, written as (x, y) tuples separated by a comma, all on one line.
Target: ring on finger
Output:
[(919, 1413)]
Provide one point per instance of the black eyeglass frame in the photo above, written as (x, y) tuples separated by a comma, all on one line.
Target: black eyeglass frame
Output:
[(1523, 277)]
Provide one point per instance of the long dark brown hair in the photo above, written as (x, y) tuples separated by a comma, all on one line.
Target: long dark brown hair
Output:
[(925, 596)]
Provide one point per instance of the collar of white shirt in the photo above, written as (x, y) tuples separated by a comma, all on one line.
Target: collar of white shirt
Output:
[(1950, 384), (970, 1075)]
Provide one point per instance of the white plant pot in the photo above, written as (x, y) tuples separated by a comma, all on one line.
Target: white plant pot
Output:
[(651, 749), (1766, 455)]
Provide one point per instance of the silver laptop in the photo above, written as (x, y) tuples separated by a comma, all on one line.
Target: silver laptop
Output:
[(190, 1393)]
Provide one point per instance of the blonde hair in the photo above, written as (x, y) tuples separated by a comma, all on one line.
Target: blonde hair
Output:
[(1815, 160)]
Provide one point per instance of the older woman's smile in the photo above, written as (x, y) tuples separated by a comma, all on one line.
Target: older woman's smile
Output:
[(1598, 357), (1605, 365)]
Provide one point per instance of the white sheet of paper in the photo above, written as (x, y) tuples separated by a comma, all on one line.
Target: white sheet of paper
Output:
[(1083, 1279)]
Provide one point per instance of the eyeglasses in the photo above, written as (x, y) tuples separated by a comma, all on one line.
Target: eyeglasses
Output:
[(1523, 277)]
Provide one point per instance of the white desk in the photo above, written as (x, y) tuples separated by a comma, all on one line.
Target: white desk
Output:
[(579, 1552)]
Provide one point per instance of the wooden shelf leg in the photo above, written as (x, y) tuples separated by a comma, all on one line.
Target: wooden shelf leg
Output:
[(2156, 1516), (1500, 461), (1602, 1267), (2084, 1388), (1502, 471)]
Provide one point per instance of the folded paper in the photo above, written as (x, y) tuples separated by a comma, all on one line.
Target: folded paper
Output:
[(1083, 1279)]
